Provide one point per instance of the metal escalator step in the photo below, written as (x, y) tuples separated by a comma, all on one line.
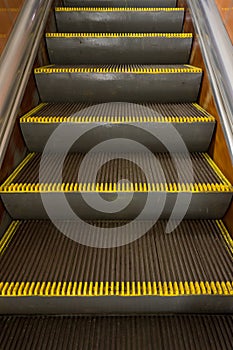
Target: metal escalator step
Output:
[(116, 19), (46, 271), (117, 332), (119, 83), (119, 3), (162, 176), (118, 48), (119, 120)]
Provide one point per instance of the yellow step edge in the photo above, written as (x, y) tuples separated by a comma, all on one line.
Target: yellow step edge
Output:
[(119, 35), (125, 289), (216, 169), (118, 69), (30, 118), (18, 169), (118, 9), (7, 237), (115, 187), (226, 235)]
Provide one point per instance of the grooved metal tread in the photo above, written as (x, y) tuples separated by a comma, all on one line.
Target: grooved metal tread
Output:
[(195, 258), (112, 167), (138, 332), (117, 113), (146, 184)]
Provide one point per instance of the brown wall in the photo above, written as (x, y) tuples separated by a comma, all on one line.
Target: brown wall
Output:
[(9, 10), (218, 149)]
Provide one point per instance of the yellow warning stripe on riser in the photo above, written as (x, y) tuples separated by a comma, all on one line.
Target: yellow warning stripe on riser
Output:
[(120, 35), (88, 289), (118, 9), (31, 117), (118, 69)]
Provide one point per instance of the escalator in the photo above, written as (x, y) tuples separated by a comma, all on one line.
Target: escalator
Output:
[(120, 245)]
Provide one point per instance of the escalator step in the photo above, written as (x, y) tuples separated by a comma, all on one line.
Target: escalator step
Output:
[(120, 120), (138, 332), (119, 3), (156, 269), (116, 19), (118, 48), (162, 176), (119, 83)]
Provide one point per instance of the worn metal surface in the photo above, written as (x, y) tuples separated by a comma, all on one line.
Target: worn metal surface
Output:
[(143, 20), (123, 83), (119, 49)]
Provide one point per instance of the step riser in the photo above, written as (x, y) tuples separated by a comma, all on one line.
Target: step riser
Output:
[(120, 21), (118, 50), (120, 3), (118, 87), (117, 305), (30, 206), (197, 136)]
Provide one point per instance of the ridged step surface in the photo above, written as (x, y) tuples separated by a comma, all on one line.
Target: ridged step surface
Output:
[(193, 176), (118, 48), (144, 123), (119, 83), (157, 270), (125, 19), (138, 332)]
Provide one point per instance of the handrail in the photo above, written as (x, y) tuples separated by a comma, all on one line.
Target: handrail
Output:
[(217, 52), (16, 64)]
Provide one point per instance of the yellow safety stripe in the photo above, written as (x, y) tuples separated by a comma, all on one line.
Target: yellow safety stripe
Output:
[(226, 235), (216, 169), (113, 120), (4, 242), (31, 117), (115, 187), (119, 35), (117, 69), (17, 170), (118, 9), (130, 289)]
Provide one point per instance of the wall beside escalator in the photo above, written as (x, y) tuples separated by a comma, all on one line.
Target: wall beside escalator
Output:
[(9, 10)]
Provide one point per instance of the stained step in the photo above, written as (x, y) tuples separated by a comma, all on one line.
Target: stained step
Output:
[(97, 185), (119, 83), (125, 19), (118, 48), (119, 3), (144, 123), (116, 267)]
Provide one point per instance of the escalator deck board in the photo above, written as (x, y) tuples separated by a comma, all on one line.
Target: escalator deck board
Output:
[(152, 186), (139, 332), (117, 113), (116, 166), (38, 259)]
